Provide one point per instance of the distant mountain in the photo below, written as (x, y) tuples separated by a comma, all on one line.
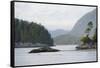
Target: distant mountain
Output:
[(58, 32), (65, 39), (78, 30), (81, 25)]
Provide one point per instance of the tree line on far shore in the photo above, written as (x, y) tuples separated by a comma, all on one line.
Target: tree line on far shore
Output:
[(31, 32)]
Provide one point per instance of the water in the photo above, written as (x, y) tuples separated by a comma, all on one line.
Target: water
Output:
[(68, 54)]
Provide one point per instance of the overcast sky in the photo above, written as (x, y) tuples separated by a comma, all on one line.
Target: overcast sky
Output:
[(53, 17)]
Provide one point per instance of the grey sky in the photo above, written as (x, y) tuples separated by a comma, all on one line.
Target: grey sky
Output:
[(51, 16)]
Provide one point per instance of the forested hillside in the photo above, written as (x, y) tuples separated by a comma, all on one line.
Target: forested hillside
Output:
[(31, 32)]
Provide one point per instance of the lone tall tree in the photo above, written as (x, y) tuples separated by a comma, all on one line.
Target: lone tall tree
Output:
[(90, 26)]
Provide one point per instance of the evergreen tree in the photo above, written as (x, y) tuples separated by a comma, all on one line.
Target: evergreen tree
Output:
[(90, 26), (86, 39), (95, 36), (31, 32)]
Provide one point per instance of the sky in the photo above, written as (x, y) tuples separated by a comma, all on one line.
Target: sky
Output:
[(52, 17)]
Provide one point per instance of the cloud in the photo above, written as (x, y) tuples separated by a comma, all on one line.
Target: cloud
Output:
[(51, 16)]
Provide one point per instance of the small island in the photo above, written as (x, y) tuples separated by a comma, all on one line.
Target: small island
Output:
[(43, 49), (88, 42)]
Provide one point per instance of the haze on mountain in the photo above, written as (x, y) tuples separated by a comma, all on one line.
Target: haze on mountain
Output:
[(81, 25), (78, 30), (58, 32)]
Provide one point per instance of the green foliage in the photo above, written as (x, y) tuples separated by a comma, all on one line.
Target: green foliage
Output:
[(87, 30), (95, 36), (84, 39), (90, 26), (31, 32)]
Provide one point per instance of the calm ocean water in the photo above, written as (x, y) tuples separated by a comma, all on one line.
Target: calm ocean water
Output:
[(68, 54)]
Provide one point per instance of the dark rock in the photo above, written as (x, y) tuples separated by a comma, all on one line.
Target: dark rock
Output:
[(43, 49)]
